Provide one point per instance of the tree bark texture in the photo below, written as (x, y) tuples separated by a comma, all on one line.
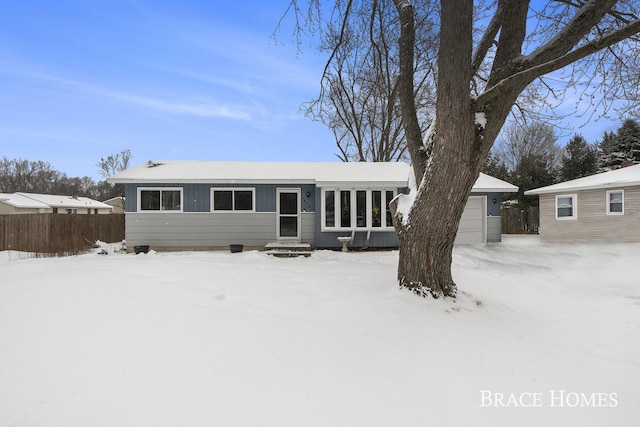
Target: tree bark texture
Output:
[(426, 238)]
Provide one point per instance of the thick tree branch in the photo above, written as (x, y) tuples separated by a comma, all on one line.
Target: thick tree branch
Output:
[(526, 76), (512, 36), (412, 131), (585, 19), (487, 38)]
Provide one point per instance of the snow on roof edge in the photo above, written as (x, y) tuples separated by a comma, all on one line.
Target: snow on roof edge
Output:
[(320, 173), (623, 177)]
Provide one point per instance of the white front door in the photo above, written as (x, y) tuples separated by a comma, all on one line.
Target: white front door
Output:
[(288, 213)]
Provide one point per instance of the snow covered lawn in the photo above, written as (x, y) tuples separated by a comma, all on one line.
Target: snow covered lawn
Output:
[(541, 335)]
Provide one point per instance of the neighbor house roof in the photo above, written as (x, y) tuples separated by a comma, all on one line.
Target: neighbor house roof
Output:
[(57, 201), (624, 177), (45, 201), (21, 201), (319, 173)]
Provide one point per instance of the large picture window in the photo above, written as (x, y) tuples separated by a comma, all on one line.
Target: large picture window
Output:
[(615, 202), (232, 199), (566, 206), (356, 209), (160, 199)]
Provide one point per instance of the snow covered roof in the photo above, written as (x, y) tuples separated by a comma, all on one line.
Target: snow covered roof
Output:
[(616, 178), (488, 184), (45, 201), (319, 173), (21, 201), (56, 201)]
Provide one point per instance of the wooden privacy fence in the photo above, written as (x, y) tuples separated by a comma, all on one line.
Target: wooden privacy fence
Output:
[(517, 220), (58, 234)]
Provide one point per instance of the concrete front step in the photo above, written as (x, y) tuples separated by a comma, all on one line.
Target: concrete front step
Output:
[(288, 249)]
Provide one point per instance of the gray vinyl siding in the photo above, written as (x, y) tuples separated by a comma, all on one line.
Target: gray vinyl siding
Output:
[(494, 229), (208, 230), (493, 209), (592, 223), (378, 239), (197, 227)]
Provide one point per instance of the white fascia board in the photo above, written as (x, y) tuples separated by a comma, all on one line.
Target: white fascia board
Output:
[(553, 189), (209, 181), (362, 184)]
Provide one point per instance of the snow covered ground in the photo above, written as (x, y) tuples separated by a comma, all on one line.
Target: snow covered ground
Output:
[(541, 335)]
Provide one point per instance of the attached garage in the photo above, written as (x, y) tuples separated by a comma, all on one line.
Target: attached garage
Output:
[(473, 224)]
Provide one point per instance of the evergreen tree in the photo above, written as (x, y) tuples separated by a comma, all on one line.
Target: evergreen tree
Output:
[(495, 167), (623, 146), (581, 159), (533, 171), (628, 137)]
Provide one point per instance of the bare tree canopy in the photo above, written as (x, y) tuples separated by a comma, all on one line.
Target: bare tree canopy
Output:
[(491, 57), (114, 163), (359, 99), (521, 141)]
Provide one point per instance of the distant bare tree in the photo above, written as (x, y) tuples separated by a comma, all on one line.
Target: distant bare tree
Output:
[(20, 175), (359, 98), (521, 141), (114, 163)]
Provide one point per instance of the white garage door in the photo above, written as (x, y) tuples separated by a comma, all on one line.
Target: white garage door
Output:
[(473, 222)]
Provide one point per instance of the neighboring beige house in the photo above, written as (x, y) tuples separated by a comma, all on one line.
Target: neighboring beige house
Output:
[(117, 203), (598, 208), (26, 203)]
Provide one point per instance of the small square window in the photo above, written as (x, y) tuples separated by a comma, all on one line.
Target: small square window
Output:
[(615, 202), (223, 200), (243, 200), (566, 207)]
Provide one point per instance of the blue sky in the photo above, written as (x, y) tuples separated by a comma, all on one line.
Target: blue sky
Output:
[(80, 80), (201, 80)]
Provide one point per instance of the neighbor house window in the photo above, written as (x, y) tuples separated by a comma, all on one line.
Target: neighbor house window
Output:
[(160, 199), (356, 209), (615, 202), (566, 206), (233, 199), (72, 211)]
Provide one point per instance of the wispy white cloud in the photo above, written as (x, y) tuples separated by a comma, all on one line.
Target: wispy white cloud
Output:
[(210, 109)]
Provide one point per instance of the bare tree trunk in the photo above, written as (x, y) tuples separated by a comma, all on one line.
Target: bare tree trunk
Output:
[(426, 236)]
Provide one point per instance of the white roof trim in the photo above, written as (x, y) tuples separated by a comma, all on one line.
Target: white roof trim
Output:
[(623, 177)]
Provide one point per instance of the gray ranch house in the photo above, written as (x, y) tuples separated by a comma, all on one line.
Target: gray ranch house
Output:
[(201, 205), (599, 208)]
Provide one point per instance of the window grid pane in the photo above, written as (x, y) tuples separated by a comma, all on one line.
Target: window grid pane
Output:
[(345, 208), (376, 212), (361, 208), (171, 200), (150, 200), (222, 200), (388, 200), (243, 200), (329, 209)]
